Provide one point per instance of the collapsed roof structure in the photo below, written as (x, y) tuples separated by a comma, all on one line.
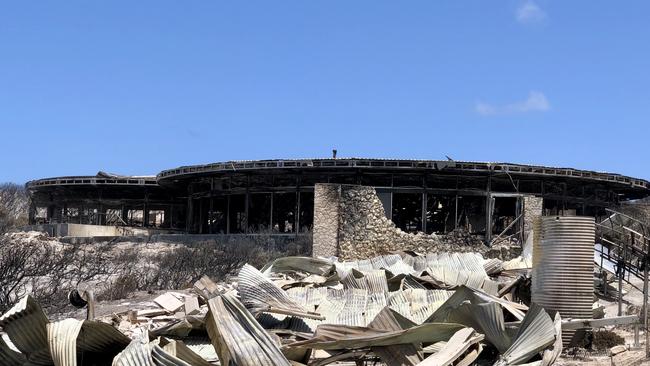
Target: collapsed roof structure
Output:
[(302, 310)]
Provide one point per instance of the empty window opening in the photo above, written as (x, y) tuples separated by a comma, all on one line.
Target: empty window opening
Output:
[(440, 215), (237, 213), (218, 217), (506, 211), (259, 212), (284, 212), (407, 211), (114, 217), (306, 211), (156, 218), (471, 214), (135, 217)]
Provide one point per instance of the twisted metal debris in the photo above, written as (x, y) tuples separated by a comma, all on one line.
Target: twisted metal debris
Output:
[(398, 309)]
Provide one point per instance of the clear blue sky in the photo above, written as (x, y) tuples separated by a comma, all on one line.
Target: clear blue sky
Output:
[(134, 87)]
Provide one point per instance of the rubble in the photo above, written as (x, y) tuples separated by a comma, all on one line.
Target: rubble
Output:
[(397, 309)]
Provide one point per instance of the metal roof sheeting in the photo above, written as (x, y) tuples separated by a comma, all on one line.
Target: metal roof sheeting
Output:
[(26, 325), (318, 266), (238, 338), (162, 358), (136, 353), (91, 339), (259, 294), (399, 354), (535, 333), (178, 349), (9, 356), (550, 355), (331, 337), (453, 349)]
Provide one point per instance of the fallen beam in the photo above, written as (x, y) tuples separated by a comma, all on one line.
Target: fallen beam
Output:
[(597, 323)]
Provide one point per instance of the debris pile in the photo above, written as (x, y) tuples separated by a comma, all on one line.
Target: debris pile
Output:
[(398, 309)]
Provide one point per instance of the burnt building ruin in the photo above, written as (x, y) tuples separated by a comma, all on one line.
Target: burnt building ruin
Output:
[(278, 195)]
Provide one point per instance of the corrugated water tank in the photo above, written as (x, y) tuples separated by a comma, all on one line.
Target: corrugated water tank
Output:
[(563, 264)]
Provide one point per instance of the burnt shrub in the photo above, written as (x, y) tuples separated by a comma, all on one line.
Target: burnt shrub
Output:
[(181, 267), (46, 269), (220, 258), (121, 288), (605, 339)]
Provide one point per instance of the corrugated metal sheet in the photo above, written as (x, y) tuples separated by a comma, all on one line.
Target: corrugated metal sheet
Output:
[(563, 256), (308, 297), (202, 347), (375, 304), (434, 347), (162, 358), (318, 266), (26, 325), (100, 337), (463, 294), (410, 282), (259, 294), (62, 337), (489, 318), (330, 337), (550, 355), (396, 355), (238, 337), (535, 333), (373, 281), (493, 266), (457, 345), (490, 287), (178, 349), (91, 339), (136, 353), (9, 356), (451, 268)]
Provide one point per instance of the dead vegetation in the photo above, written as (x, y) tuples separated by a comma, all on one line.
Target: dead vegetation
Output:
[(605, 339), (48, 269), (13, 206)]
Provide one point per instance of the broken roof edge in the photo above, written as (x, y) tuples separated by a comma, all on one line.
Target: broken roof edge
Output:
[(101, 178), (438, 165)]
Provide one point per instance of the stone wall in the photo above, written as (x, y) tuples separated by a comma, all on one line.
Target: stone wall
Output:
[(349, 222), (533, 207), (326, 220)]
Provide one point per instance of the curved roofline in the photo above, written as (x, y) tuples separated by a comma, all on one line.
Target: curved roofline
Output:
[(397, 164), (99, 179)]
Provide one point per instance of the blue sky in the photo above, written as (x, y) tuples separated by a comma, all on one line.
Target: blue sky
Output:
[(134, 87)]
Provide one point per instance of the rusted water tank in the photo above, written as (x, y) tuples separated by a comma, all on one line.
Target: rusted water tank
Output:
[(563, 266)]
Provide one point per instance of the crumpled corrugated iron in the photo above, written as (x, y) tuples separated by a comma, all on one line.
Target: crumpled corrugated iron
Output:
[(259, 295), (536, 332), (453, 349), (316, 266), (238, 338), (406, 354), (94, 340), (26, 325), (43, 343), (402, 309), (332, 337), (177, 348)]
